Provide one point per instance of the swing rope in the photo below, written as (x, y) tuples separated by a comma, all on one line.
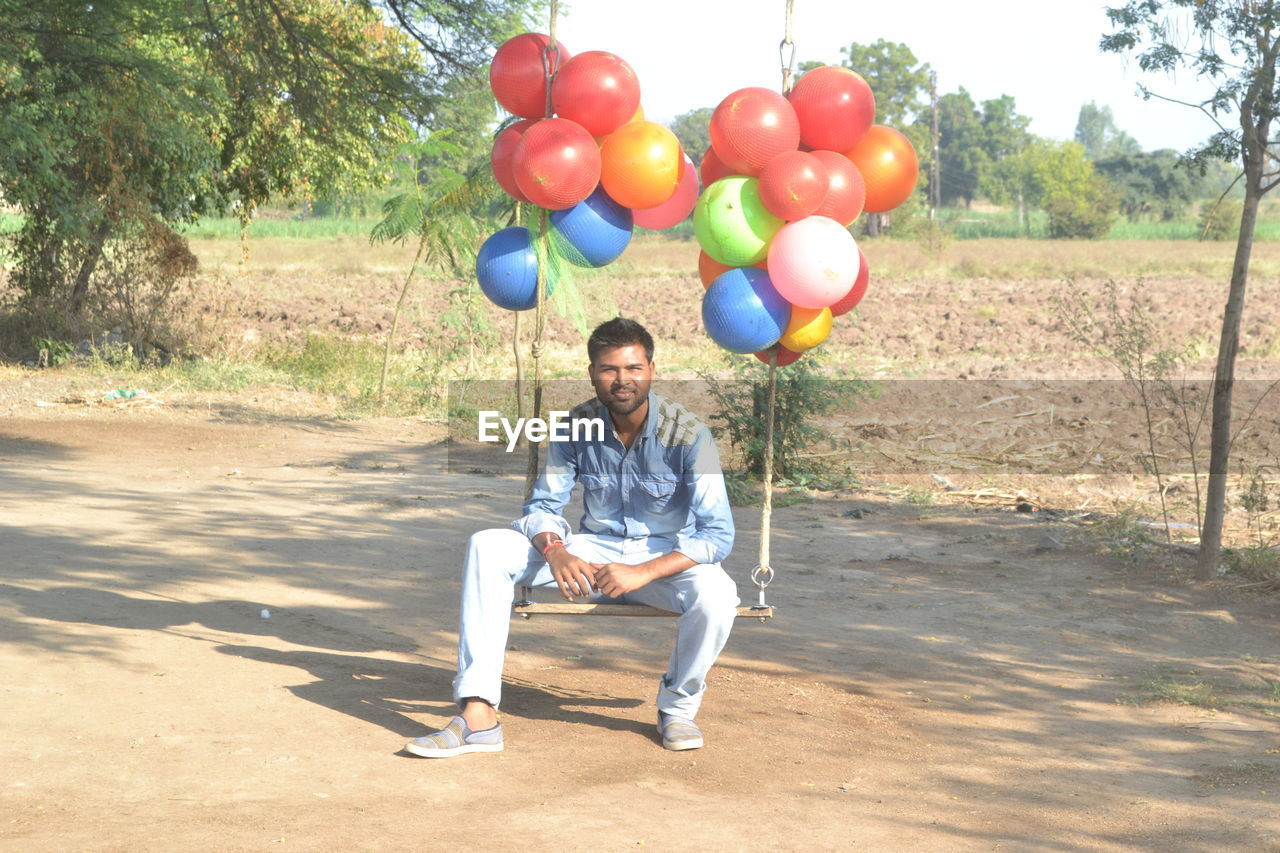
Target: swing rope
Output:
[(762, 575), (550, 64)]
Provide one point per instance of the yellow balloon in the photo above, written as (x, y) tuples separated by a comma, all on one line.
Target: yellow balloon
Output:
[(808, 328)]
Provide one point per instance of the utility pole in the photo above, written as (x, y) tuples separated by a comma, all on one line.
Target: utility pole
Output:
[(935, 182)]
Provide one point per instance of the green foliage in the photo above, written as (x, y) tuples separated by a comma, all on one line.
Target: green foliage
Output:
[(961, 151), (1096, 130), (1057, 177), (1156, 184), (117, 113), (900, 82), (693, 129), (1219, 220), (802, 396)]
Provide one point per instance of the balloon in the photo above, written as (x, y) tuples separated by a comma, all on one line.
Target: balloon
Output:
[(834, 106), (518, 77), (709, 269), (785, 356), (712, 168), (855, 294), (813, 262), (751, 127), (793, 185), (675, 209), (888, 165), (556, 163), (507, 269), (504, 149), (807, 328), (593, 232), (641, 164), (742, 311), (598, 90), (731, 224), (845, 190)]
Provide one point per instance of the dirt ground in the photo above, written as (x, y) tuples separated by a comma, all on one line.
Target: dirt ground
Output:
[(222, 616)]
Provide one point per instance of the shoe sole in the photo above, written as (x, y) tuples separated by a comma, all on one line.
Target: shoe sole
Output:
[(676, 746), (428, 752)]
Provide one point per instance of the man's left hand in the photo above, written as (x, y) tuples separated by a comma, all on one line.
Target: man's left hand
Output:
[(615, 579)]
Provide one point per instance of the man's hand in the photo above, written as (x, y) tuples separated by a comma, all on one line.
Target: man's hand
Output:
[(615, 579), (573, 575)]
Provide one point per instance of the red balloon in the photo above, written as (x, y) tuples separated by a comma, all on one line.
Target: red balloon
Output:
[(835, 107), (889, 166), (518, 75), (598, 90), (845, 189), (847, 302), (751, 127), (504, 149), (712, 168), (793, 185), (785, 356), (556, 163)]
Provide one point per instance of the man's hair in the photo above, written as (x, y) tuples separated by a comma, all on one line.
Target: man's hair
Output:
[(618, 332)]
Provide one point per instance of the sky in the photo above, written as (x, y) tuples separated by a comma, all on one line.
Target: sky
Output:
[(692, 53)]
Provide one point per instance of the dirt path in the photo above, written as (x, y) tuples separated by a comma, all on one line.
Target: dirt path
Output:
[(933, 681)]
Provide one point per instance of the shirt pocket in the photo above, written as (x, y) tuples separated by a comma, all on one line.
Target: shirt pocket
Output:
[(597, 483), (657, 492)]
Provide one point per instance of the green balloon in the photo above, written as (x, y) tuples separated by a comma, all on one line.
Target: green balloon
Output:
[(731, 224)]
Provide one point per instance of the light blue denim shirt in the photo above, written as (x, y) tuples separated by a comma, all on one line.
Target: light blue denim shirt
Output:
[(668, 485)]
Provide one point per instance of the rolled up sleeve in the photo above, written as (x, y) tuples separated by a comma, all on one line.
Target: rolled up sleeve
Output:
[(542, 512), (712, 536)]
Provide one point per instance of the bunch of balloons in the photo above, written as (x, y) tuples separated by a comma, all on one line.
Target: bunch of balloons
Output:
[(785, 178), (582, 151)]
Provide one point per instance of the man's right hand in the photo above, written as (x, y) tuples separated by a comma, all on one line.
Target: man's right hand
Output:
[(573, 575)]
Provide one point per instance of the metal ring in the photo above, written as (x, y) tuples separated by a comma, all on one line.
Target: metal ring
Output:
[(762, 576)]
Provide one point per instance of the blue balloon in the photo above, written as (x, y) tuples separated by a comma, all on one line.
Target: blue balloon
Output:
[(742, 311), (593, 232), (507, 269)]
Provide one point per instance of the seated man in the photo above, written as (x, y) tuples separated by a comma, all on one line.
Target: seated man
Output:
[(655, 528)]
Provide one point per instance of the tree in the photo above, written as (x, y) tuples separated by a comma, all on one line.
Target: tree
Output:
[(1005, 136), (1234, 46), (962, 153), (1058, 178), (1096, 130), (898, 80), (693, 129), (1151, 184), (119, 112)]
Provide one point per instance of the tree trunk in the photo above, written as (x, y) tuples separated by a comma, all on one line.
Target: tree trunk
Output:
[(80, 290), (1223, 379)]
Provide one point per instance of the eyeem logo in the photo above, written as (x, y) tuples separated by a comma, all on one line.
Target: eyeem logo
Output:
[(556, 428)]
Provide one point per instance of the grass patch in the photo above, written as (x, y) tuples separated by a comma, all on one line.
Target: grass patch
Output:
[(1192, 688), (316, 228)]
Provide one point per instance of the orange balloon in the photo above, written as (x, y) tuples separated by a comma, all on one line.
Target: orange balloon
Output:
[(639, 116), (640, 164), (888, 165), (807, 328), (709, 269)]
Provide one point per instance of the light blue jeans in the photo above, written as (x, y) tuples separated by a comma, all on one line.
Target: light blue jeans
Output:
[(500, 558)]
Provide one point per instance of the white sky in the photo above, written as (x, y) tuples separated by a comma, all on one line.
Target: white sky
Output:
[(692, 53)]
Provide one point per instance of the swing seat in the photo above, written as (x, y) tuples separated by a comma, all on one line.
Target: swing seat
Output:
[(526, 608)]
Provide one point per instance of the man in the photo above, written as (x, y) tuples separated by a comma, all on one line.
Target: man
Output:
[(656, 525)]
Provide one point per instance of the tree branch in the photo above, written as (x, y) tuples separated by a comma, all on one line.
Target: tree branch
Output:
[(1199, 107)]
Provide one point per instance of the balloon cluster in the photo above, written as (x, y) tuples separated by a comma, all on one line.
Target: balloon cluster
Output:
[(785, 177), (582, 151)]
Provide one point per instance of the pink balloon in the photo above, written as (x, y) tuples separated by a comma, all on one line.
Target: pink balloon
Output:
[(676, 209), (813, 262)]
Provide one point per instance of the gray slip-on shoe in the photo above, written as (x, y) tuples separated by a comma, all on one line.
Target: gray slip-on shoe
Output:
[(456, 739), (678, 733)]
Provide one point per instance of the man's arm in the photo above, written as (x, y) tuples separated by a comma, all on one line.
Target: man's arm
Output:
[(543, 523)]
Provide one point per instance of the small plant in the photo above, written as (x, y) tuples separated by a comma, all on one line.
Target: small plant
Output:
[(803, 395)]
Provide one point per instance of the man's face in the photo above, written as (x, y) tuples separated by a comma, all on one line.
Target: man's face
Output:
[(622, 378)]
